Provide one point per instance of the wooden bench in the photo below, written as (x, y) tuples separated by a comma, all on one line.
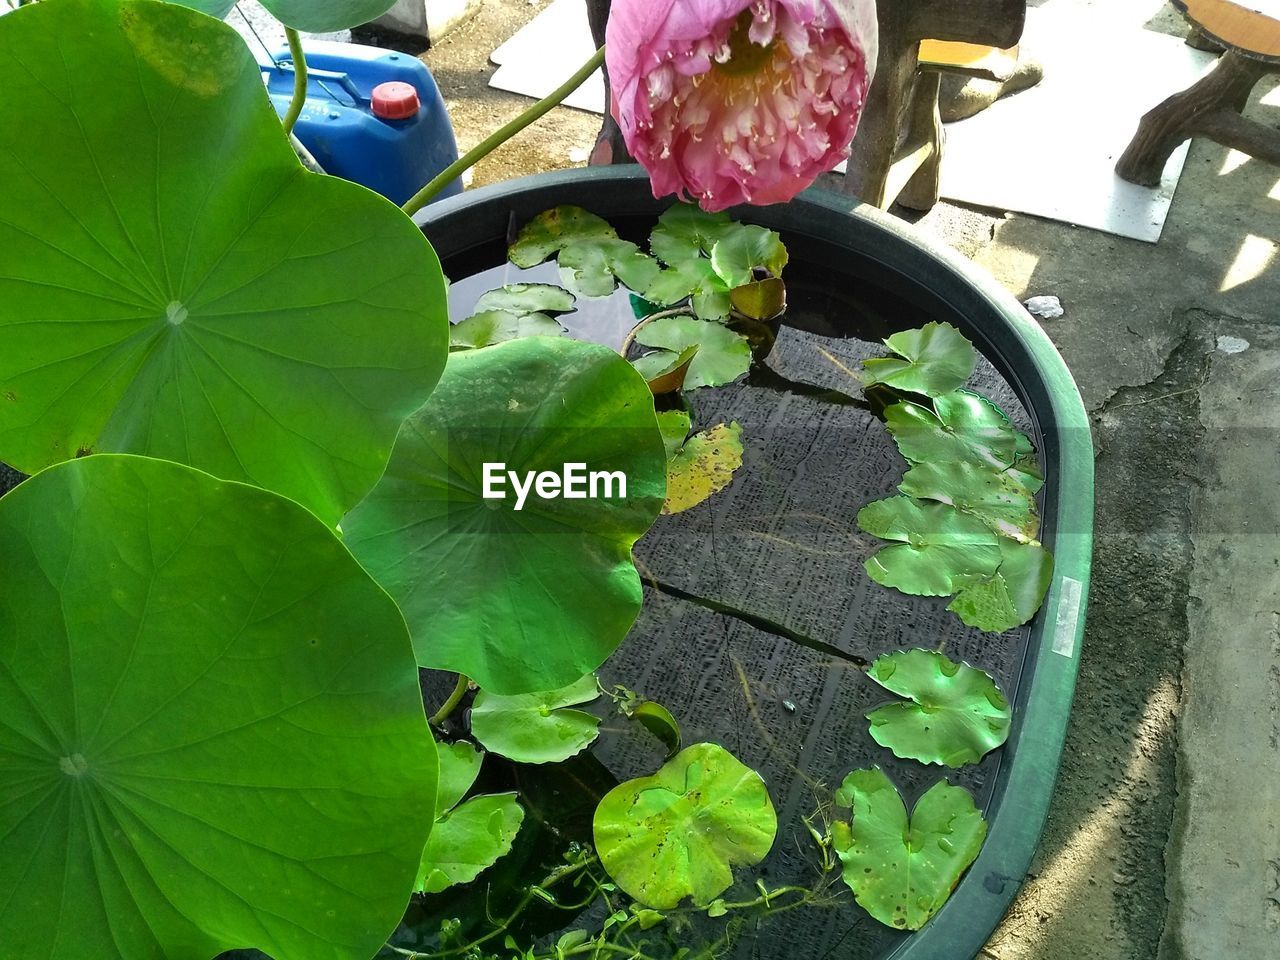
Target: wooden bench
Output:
[(1249, 34)]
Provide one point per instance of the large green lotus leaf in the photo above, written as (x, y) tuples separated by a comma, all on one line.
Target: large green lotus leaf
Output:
[(529, 599), (175, 284), (685, 232), (211, 730), (1012, 595), (933, 360), (902, 872), (468, 840), (955, 716), (680, 832), (995, 498), (313, 16), (961, 426), (722, 356), (745, 249), (537, 727), (941, 549), (590, 255)]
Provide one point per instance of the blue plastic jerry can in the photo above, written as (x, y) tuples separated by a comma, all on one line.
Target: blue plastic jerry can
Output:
[(373, 116)]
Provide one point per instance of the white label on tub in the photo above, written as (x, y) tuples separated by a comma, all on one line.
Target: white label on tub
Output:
[(1064, 632)]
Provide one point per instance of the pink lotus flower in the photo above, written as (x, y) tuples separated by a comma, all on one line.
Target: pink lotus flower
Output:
[(739, 101)]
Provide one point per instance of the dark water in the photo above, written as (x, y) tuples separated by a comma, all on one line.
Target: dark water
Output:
[(758, 614)]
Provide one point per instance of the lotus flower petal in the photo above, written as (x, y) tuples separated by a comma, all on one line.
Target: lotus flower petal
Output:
[(739, 101)]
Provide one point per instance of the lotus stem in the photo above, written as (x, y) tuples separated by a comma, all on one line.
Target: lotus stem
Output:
[(450, 705), (501, 135), (299, 79)]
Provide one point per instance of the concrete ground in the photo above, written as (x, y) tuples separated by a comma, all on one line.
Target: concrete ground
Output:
[(1164, 837)]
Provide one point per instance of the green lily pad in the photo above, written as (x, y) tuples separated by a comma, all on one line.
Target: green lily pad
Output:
[(537, 727), (313, 16), (459, 766), (902, 872), (997, 499), (1026, 467), (941, 549), (519, 599), (468, 837), (704, 466), (660, 722), (961, 426), (675, 426), (191, 760), (957, 713), (664, 370), (1012, 595), (761, 299), (468, 840), (526, 299), (498, 326), (248, 318), (680, 832), (686, 232), (736, 256), (696, 279), (933, 360), (591, 256), (723, 356)]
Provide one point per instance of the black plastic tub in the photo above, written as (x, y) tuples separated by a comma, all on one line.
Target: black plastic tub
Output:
[(757, 608)]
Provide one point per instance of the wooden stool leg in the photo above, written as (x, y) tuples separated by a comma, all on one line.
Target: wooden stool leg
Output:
[(1195, 110), (921, 191)]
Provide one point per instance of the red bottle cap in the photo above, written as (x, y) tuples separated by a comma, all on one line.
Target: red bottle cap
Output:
[(395, 101)]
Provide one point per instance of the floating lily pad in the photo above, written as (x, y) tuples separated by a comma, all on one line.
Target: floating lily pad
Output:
[(211, 729), (680, 832), (176, 284), (527, 299), (1012, 595), (313, 16), (459, 766), (471, 836), (761, 299), (941, 549), (686, 232), (961, 426), (1026, 467), (692, 278), (675, 426), (997, 499), (933, 360), (957, 713), (660, 722), (664, 370), (537, 727), (747, 248), (723, 356), (902, 872), (526, 599), (498, 326), (591, 256), (704, 466)]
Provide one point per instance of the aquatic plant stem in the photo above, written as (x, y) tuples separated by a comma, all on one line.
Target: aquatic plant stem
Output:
[(450, 705), (299, 79), (684, 310), (502, 135)]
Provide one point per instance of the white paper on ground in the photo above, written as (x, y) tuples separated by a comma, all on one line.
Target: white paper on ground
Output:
[(545, 53), (1051, 150)]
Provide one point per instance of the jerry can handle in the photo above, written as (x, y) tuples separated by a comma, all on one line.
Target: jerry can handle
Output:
[(335, 76)]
